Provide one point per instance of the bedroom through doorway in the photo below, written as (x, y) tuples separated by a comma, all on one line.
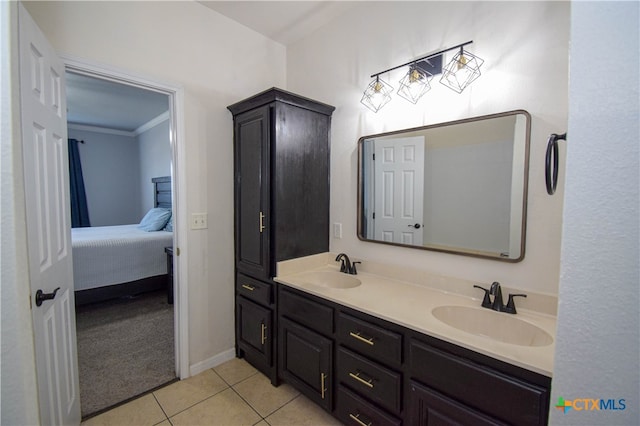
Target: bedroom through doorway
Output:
[(123, 275)]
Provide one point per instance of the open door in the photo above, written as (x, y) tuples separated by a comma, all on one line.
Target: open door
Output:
[(46, 181)]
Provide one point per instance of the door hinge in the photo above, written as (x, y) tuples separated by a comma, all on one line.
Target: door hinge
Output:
[(374, 157), (177, 251)]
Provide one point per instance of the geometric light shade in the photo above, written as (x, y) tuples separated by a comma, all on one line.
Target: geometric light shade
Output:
[(463, 69), (414, 84), (376, 95)]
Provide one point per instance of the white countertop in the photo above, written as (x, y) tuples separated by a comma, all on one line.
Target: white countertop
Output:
[(409, 304)]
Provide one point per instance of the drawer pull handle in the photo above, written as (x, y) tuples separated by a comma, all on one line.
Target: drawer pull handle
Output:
[(368, 341), (264, 333), (248, 287), (323, 388), (368, 383), (357, 419)]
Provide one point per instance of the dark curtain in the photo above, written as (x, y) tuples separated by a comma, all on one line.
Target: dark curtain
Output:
[(79, 210)]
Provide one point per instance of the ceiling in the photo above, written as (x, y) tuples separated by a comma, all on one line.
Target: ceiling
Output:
[(283, 21), (101, 103)]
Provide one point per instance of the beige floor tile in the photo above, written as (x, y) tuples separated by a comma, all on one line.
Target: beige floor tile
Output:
[(301, 412), (142, 411), (262, 396), (235, 370), (225, 408), (164, 423), (181, 395)]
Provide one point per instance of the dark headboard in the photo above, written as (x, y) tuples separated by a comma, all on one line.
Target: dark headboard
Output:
[(162, 191)]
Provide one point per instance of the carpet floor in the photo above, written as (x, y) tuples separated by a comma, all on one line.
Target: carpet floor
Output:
[(125, 348)]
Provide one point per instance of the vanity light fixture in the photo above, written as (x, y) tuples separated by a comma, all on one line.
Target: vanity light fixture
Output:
[(461, 71), (377, 94), (415, 84)]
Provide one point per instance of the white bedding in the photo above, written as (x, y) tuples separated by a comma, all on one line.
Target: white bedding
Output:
[(106, 255)]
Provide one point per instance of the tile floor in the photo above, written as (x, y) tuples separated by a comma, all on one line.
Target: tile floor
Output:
[(234, 393)]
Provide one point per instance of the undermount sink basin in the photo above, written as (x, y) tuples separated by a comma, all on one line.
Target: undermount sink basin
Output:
[(497, 326), (329, 279)]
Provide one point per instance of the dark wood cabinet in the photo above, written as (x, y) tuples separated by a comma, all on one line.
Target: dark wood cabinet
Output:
[(501, 391), (254, 330), (430, 408), (281, 202), (253, 192), (382, 373), (354, 410), (306, 361), (281, 150), (169, 252)]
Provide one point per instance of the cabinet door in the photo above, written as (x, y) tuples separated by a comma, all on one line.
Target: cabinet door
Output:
[(252, 192), (306, 361), (430, 408), (254, 329)]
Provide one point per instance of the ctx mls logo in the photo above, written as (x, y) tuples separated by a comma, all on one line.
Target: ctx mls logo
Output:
[(589, 404)]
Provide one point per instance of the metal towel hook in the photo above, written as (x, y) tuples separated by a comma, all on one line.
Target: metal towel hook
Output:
[(551, 170)]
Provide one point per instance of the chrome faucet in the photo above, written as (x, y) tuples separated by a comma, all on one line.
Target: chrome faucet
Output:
[(347, 266), (497, 303)]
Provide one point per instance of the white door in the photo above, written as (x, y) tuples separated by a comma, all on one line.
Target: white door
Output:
[(46, 182), (399, 190)]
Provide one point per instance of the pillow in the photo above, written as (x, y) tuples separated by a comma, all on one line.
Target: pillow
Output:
[(155, 219), (169, 225)]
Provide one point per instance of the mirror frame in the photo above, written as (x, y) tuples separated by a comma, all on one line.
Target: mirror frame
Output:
[(451, 123)]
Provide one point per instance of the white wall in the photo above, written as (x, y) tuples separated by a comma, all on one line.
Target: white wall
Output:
[(210, 57), (155, 161), (525, 48), (598, 345), (111, 172)]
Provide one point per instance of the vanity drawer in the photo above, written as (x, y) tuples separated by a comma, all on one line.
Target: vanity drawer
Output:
[(373, 381), (370, 339), (253, 289), (353, 410), (305, 311), (507, 398)]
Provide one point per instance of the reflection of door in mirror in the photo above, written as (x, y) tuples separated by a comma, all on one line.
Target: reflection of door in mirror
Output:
[(458, 187), (398, 169)]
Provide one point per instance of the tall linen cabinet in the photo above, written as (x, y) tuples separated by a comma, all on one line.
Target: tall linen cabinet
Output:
[(281, 190)]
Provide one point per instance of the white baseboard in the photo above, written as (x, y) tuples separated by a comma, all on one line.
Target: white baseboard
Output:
[(214, 361)]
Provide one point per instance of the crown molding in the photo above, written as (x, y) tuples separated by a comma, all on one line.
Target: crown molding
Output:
[(152, 123), (98, 129), (132, 134)]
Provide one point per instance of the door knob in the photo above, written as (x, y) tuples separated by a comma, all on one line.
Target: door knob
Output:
[(417, 226), (41, 297)]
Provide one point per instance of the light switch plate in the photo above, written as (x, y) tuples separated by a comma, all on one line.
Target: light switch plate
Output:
[(199, 221), (337, 230)]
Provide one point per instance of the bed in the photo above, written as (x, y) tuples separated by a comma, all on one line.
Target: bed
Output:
[(123, 260)]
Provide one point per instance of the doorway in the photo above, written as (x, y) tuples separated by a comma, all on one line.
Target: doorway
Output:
[(151, 308)]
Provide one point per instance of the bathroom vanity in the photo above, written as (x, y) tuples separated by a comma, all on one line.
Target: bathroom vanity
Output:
[(374, 353), (387, 346)]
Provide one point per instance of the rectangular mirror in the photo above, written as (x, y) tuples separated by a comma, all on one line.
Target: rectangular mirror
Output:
[(457, 187)]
